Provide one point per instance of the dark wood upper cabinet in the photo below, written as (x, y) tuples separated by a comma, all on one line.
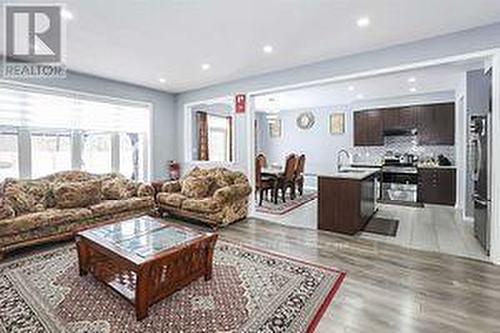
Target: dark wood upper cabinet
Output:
[(400, 118), (436, 124), (368, 128)]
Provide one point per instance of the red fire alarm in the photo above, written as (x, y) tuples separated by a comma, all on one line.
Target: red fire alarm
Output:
[(240, 103)]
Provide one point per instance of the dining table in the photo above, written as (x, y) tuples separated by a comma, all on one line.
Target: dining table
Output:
[(272, 171)]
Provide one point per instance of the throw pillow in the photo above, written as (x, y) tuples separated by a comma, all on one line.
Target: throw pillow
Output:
[(77, 194), (115, 189), (196, 187), (26, 196)]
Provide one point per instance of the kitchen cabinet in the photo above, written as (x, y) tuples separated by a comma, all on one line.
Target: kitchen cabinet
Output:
[(345, 205), (368, 128), (437, 186), (400, 118), (436, 124)]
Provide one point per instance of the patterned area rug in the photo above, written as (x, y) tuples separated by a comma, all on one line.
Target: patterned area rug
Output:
[(251, 291), (281, 207)]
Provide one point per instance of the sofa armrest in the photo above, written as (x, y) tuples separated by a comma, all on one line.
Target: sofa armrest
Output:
[(232, 193), (6, 210), (171, 186), (145, 190)]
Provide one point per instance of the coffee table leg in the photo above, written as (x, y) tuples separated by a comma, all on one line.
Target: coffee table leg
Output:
[(83, 256), (142, 293), (210, 255)]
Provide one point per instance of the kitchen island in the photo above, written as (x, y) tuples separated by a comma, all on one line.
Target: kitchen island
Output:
[(346, 199)]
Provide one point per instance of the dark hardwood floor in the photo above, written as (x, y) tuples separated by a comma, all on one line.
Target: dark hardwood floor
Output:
[(387, 288)]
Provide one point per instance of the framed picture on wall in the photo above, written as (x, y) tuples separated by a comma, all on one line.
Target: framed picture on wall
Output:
[(275, 128), (337, 123)]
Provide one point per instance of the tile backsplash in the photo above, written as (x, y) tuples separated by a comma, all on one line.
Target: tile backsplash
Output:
[(400, 145)]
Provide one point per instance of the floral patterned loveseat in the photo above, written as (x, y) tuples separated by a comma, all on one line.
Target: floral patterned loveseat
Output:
[(56, 206), (215, 196)]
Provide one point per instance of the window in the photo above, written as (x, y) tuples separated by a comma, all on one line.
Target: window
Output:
[(219, 138), (9, 157), (51, 152), (132, 155), (44, 131), (97, 152)]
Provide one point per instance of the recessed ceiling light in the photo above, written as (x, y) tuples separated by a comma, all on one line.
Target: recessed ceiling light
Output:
[(66, 14), (412, 79), (162, 80), (360, 96), (413, 89), (267, 49), (363, 22), (351, 88), (205, 67)]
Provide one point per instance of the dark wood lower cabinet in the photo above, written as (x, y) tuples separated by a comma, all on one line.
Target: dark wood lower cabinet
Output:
[(437, 186), (345, 205)]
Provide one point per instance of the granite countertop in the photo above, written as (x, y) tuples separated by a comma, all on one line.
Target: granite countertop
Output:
[(351, 173), (367, 164), (436, 166)]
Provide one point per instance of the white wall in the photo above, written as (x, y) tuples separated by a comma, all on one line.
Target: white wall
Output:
[(319, 146)]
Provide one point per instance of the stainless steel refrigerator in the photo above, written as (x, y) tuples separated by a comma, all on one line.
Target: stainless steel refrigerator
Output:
[(481, 140)]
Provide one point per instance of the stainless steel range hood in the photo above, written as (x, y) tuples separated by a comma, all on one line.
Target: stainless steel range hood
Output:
[(400, 132)]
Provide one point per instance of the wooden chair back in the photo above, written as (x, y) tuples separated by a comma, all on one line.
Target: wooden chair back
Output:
[(259, 164), (290, 167), (301, 163), (263, 159)]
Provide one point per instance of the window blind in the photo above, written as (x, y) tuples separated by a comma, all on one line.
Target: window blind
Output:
[(27, 107)]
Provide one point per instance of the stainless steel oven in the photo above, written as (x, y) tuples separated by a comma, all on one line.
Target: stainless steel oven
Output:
[(399, 184)]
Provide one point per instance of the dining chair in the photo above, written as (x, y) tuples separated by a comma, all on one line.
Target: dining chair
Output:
[(299, 174), (263, 184), (263, 159), (286, 180)]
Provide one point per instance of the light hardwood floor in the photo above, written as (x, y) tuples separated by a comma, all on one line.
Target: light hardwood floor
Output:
[(433, 228), (388, 288)]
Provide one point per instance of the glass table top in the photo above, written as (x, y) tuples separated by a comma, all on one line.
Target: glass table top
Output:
[(144, 236)]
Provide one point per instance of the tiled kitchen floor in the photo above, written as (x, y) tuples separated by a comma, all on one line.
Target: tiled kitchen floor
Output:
[(432, 228)]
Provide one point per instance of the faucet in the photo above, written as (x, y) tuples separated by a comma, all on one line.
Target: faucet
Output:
[(339, 155)]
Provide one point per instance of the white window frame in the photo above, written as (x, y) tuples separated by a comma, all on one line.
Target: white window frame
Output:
[(24, 135), (189, 118)]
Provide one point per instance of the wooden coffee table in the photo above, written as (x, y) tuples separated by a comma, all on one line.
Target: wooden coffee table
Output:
[(145, 259)]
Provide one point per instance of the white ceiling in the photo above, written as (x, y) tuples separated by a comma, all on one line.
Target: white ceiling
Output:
[(428, 80), (139, 41)]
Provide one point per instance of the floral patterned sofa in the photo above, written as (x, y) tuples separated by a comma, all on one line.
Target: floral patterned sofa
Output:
[(57, 206), (215, 196)]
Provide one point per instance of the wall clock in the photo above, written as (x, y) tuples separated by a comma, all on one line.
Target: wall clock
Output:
[(305, 120)]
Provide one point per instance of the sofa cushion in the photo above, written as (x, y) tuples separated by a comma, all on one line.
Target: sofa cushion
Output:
[(77, 194), (48, 217), (171, 199), (115, 189), (26, 196), (108, 207), (206, 205), (196, 187)]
